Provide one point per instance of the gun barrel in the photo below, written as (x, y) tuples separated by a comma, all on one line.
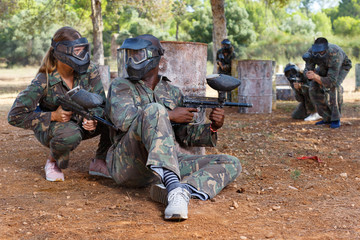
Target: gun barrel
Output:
[(207, 102), (69, 105), (233, 104), (99, 119)]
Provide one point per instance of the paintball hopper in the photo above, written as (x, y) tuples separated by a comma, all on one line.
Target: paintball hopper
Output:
[(84, 98), (222, 82), (307, 57)]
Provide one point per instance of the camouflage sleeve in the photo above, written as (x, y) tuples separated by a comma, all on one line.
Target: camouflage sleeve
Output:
[(309, 65), (297, 92), (195, 135), (24, 113), (335, 63), (192, 135), (120, 105), (96, 86)]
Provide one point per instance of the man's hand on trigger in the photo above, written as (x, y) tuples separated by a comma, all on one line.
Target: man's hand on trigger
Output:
[(313, 76), (89, 125), (217, 118), (182, 115)]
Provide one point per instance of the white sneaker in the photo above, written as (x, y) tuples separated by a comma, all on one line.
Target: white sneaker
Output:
[(313, 117), (178, 200), (53, 172)]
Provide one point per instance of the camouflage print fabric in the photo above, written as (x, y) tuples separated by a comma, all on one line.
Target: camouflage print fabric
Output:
[(33, 106), (225, 60), (328, 101), (306, 106), (147, 139), (333, 70)]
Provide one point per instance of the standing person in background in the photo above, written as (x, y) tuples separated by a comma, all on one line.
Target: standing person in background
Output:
[(325, 88), (300, 85), (224, 57), (66, 65)]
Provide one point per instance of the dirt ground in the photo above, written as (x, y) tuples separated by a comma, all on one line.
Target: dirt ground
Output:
[(277, 196)]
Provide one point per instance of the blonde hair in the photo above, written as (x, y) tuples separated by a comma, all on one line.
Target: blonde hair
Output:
[(48, 64)]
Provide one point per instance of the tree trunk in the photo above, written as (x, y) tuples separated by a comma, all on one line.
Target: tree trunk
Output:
[(98, 48), (177, 31), (219, 26)]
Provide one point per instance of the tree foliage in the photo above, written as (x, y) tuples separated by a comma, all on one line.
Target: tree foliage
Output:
[(267, 29)]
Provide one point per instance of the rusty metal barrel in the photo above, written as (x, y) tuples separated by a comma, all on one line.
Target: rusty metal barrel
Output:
[(256, 84), (184, 63)]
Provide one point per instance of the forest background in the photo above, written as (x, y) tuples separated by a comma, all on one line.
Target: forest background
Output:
[(259, 29)]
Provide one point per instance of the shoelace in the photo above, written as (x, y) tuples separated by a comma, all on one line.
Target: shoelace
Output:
[(178, 200)]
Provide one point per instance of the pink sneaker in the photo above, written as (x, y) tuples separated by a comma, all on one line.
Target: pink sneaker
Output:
[(53, 172), (98, 168)]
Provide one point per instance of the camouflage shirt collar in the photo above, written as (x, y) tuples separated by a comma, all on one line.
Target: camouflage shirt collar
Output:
[(55, 78)]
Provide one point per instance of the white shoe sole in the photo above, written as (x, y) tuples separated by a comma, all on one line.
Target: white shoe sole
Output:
[(55, 180), (177, 217)]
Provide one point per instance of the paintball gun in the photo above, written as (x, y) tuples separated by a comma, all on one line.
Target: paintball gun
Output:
[(80, 101), (222, 83)]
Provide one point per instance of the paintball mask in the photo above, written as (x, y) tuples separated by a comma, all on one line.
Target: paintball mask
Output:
[(226, 45), (319, 52), (140, 57), (292, 72), (75, 53)]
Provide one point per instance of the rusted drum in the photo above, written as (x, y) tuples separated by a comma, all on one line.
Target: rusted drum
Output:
[(256, 84), (184, 63)]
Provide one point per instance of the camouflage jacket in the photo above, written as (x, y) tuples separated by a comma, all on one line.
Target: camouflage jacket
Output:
[(225, 60), (127, 98), (330, 68), (33, 106)]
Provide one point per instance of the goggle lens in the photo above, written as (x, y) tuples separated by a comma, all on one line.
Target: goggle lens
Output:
[(319, 54), (138, 56), (80, 51)]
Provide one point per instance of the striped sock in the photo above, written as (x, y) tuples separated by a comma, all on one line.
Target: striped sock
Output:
[(170, 180)]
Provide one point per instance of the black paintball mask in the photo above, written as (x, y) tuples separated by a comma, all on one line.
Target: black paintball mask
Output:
[(226, 45), (140, 57), (319, 52), (75, 53), (292, 72)]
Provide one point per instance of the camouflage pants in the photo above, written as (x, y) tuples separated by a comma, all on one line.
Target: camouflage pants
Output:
[(150, 143), (327, 101), (305, 107), (62, 138)]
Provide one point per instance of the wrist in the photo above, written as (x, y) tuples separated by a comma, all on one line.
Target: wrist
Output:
[(52, 116), (318, 79), (212, 129)]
